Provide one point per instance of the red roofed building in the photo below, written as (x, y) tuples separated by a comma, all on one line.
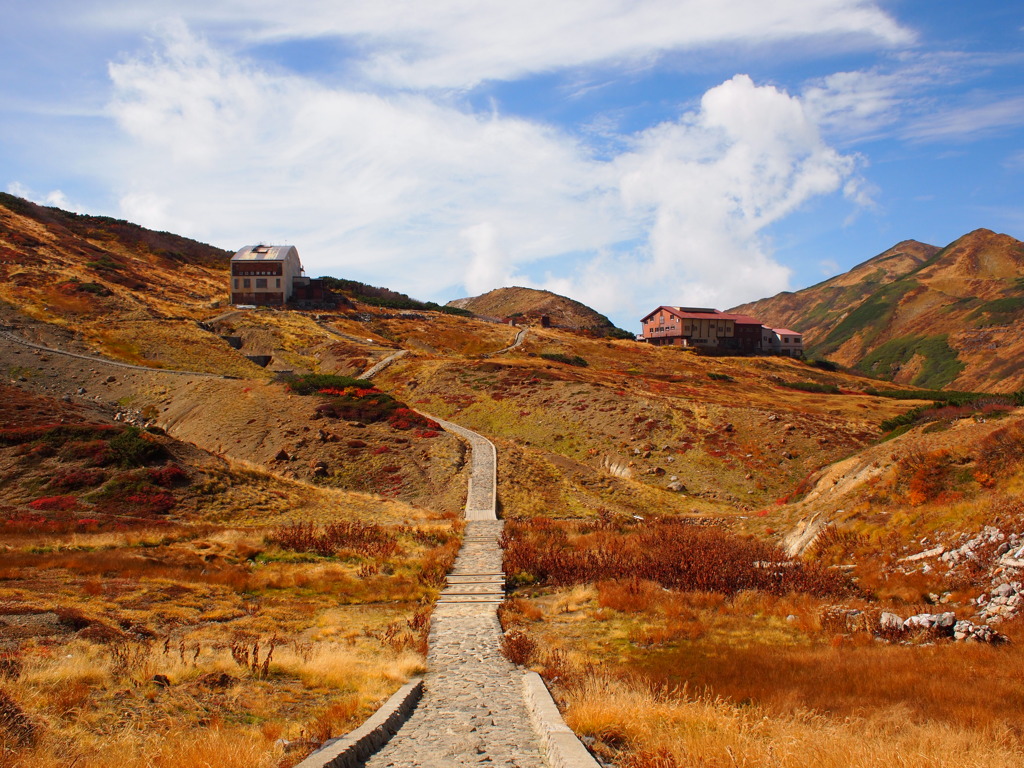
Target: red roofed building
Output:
[(701, 327), (782, 341)]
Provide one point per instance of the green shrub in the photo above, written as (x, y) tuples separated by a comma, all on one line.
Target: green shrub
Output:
[(720, 377), (823, 364), (558, 357), (132, 449), (104, 262), (812, 386), (93, 288), (619, 333), (310, 383)]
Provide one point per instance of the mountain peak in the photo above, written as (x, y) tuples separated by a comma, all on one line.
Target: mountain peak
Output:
[(917, 314), (534, 303)]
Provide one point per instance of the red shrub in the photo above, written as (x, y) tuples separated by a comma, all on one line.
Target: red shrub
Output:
[(148, 503), (55, 503), (95, 453), (73, 479), (169, 476)]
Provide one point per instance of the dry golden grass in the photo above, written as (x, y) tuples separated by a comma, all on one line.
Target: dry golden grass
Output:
[(114, 640), (214, 745), (642, 728), (661, 678)]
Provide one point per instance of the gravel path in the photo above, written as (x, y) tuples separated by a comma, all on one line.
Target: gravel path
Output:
[(520, 337)]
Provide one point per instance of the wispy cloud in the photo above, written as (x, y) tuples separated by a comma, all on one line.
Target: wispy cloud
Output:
[(921, 96), (460, 43), (988, 114)]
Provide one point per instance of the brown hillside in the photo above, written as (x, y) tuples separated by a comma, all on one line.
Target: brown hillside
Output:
[(532, 304), (936, 318), (133, 593)]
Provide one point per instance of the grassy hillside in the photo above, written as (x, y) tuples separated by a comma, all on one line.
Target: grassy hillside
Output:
[(919, 315), (150, 591)]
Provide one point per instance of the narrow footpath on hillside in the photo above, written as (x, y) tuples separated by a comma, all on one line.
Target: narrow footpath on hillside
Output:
[(472, 711), (6, 334), (520, 337), (477, 708)]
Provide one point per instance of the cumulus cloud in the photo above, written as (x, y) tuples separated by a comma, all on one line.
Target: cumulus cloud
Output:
[(430, 197)]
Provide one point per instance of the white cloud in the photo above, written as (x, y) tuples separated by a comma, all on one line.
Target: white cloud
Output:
[(424, 196), (54, 198), (459, 43)]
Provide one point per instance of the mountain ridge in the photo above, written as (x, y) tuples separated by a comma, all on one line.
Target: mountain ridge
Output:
[(918, 314)]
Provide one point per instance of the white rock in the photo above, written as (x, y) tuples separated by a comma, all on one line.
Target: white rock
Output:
[(924, 555), (890, 621)]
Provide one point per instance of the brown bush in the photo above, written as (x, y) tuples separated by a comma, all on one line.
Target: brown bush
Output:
[(518, 646), (1002, 451), (667, 551), (367, 539), (14, 723)]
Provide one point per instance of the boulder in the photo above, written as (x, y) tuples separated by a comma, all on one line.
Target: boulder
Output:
[(890, 621), (966, 631)]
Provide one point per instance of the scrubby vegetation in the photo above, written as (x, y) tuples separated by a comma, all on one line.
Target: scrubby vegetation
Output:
[(656, 671), (812, 386), (671, 552), (559, 357), (940, 362)]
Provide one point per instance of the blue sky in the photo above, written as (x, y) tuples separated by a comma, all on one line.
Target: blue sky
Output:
[(627, 153)]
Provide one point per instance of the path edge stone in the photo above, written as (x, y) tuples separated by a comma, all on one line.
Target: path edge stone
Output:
[(355, 747), (561, 746)]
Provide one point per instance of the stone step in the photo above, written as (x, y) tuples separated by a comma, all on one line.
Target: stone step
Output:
[(474, 601)]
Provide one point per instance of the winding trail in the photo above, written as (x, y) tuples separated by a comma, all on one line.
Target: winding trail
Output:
[(472, 711), (6, 334), (477, 708), (380, 365), (520, 337)]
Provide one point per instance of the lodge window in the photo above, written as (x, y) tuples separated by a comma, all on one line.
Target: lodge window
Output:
[(261, 282), (246, 283), (279, 282), (236, 283)]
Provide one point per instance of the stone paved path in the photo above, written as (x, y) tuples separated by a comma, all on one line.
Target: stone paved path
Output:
[(482, 495), (472, 712), (373, 370)]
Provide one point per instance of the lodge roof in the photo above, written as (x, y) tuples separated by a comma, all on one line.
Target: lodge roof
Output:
[(265, 253), (701, 313)]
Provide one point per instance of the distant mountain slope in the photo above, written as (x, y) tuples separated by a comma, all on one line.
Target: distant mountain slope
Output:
[(103, 228), (917, 314), (532, 303)]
